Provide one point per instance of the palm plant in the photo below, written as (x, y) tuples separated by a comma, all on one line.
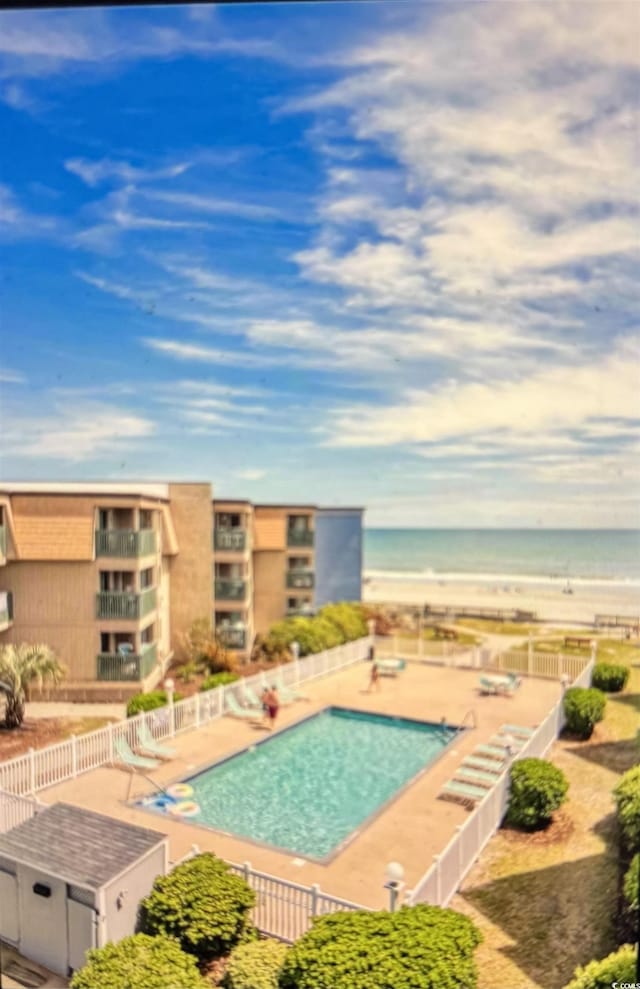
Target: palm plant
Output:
[(20, 666)]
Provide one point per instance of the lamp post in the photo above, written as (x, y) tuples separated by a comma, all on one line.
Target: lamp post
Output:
[(394, 875), (169, 686), (294, 648)]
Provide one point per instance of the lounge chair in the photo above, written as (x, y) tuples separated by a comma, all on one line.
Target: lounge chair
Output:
[(488, 765), (250, 695), (390, 667), (147, 743), (287, 694), (468, 775), (464, 792), (496, 752), (516, 730), (497, 685), (248, 713), (129, 758), (513, 743)]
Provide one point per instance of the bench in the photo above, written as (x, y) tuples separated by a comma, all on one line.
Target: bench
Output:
[(445, 633), (577, 640)]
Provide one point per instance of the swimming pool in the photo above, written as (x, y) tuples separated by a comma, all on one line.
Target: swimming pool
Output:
[(310, 787)]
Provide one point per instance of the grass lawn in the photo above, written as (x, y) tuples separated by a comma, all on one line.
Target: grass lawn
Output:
[(35, 733), (491, 627), (545, 902)]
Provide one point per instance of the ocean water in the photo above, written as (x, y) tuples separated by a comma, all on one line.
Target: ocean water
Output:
[(526, 555)]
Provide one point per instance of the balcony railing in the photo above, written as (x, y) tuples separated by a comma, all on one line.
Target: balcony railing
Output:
[(134, 666), (125, 542), (126, 604), (230, 589), (300, 537), (234, 638), (301, 610), (3, 541), (230, 539), (301, 579), (6, 609)]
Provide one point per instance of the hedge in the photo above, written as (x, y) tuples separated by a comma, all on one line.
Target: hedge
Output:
[(201, 903), (610, 677), (627, 798), (218, 680), (583, 707), (256, 965), (631, 886), (149, 702), (332, 626), (139, 960), (421, 947), (537, 789), (617, 967)]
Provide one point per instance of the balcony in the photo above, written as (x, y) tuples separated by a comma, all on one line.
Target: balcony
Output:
[(134, 666), (126, 542), (300, 537), (6, 609), (234, 540), (3, 541), (303, 610), (302, 580), (125, 604), (234, 637), (230, 589)]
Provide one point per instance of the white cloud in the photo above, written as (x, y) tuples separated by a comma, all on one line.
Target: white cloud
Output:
[(93, 173), (251, 474), (556, 398), (9, 377), (211, 204), (75, 433)]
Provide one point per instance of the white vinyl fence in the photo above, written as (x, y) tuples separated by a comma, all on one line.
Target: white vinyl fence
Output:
[(14, 810), (441, 652), (41, 768), (539, 664), (443, 878)]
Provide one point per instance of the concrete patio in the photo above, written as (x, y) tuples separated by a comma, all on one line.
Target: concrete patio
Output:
[(411, 829)]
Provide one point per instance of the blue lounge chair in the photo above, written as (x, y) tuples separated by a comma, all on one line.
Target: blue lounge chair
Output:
[(488, 765), (390, 667), (516, 730), (464, 792), (249, 695), (147, 743), (125, 755), (248, 713), (497, 752), (468, 775), (513, 743)]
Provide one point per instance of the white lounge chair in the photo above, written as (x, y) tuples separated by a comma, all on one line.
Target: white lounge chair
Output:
[(247, 713), (130, 759), (147, 743)]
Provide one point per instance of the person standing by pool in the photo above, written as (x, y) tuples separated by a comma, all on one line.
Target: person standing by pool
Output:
[(272, 702), (374, 678)]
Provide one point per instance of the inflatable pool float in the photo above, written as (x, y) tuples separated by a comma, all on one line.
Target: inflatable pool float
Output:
[(186, 808), (180, 790)]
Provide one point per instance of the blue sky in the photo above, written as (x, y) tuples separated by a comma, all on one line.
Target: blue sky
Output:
[(377, 254)]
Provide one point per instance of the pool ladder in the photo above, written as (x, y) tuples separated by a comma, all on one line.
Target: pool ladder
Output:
[(474, 721)]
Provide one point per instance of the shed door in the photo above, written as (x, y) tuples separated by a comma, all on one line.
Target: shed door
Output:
[(9, 914), (43, 920), (81, 922)]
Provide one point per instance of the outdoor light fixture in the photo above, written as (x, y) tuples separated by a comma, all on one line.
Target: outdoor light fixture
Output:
[(394, 874)]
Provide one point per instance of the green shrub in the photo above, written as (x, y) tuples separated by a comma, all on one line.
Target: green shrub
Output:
[(610, 677), (617, 967), (148, 702), (203, 905), (218, 680), (537, 789), (140, 960), (631, 885), (255, 965), (627, 797), (333, 625), (583, 707), (419, 947), (349, 619)]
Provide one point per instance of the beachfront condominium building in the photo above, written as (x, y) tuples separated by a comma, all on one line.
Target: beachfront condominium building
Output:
[(112, 576)]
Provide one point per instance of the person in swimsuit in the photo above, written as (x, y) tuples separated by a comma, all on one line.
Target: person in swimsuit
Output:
[(374, 679), (272, 703)]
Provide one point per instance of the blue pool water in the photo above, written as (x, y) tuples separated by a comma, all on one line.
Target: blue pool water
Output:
[(309, 787)]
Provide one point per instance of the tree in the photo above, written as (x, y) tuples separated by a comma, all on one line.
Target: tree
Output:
[(202, 648), (20, 666)]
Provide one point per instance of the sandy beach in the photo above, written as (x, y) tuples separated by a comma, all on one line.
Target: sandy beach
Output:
[(546, 599)]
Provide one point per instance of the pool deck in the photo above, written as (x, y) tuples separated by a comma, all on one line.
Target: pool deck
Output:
[(411, 830)]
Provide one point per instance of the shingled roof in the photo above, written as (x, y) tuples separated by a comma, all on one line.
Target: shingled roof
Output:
[(77, 845)]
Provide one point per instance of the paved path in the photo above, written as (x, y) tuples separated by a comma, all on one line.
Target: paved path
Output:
[(66, 709)]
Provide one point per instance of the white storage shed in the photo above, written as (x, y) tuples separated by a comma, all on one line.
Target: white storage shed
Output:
[(71, 879)]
